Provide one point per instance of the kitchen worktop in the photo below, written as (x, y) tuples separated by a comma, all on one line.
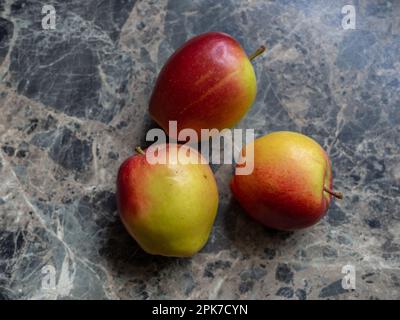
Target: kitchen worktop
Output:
[(73, 105)]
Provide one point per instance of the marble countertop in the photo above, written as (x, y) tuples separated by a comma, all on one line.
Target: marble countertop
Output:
[(73, 105)]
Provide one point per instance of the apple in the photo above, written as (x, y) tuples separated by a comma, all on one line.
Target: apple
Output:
[(207, 83), (291, 184), (168, 208)]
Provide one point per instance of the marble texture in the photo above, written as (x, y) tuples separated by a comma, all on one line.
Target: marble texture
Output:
[(73, 104)]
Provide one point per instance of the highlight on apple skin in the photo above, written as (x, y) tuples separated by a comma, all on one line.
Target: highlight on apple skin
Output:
[(207, 83), (169, 209), (291, 184)]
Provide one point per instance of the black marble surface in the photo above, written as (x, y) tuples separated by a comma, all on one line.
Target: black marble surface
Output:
[(73, 104)]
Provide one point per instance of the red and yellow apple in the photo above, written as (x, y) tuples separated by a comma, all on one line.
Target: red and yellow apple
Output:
[(207, 83), (291, 184), (168, 208)]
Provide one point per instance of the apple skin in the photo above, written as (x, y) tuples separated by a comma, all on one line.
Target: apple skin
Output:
[(285, 191), (207, 83), (169, 209)]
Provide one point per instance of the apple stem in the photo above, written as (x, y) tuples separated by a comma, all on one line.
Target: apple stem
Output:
[(256, 53), (139, 150), (338, 195)]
